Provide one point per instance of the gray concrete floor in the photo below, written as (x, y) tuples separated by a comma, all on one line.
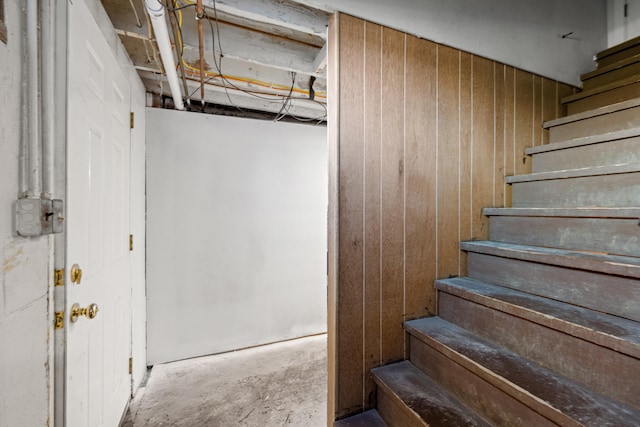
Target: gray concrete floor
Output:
[(274, 385)]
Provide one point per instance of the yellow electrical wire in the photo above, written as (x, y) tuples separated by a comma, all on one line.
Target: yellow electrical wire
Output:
[(246, 80)]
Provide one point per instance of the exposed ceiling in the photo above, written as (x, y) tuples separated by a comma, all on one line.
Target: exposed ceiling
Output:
[(259, 55)]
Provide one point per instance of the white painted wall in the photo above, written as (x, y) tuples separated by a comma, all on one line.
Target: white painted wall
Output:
[(522, 33), (621, 28), (25, 322), (236, 233)]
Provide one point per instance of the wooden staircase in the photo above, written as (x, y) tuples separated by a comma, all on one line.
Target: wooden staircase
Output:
[(545, 330)]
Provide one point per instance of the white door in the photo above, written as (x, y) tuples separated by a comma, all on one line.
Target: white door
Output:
[(97, 384)]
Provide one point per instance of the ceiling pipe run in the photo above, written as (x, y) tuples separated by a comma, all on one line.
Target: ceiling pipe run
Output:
[(156, 13)]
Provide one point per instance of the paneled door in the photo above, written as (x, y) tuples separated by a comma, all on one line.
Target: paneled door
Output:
[(97, 294)]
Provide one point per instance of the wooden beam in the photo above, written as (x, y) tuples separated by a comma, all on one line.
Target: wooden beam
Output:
[(282, 13), (237, 43), (320, 63), (218, 95)]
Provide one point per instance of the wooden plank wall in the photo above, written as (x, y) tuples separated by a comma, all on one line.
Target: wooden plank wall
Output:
[(421, 137)]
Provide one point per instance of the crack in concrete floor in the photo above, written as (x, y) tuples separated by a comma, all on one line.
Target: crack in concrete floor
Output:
[(282, 384)]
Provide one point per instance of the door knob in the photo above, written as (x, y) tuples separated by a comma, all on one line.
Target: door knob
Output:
[(76, 274), (90, 311)]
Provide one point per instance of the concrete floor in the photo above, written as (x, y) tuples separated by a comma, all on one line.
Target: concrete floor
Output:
[(274, 385)]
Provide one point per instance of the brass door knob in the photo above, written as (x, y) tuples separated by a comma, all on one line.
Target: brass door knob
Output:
[(76, 274), (91, 311)]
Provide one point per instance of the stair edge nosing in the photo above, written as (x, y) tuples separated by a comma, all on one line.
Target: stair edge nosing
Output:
[(601, 111), (599, 263), (591, 212), (611, 67), (575, 173), (601, 89), (628, 44), (568, 327), (584, 141)]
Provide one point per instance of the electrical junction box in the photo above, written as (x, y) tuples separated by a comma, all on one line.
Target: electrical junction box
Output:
[(37, 217)]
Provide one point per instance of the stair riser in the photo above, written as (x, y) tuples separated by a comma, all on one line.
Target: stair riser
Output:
[(609, 97), (601, 154), (619, 56), (394, 412), (611, 235), (603, 370), (606, 293), (482, 397), (598, 125), (611, 76), (619, 190)]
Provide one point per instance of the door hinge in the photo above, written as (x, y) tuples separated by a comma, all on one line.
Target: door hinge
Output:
[(626, 10), (58, 277), (130, 365), (59, 320), (131, 119), (130, 242)]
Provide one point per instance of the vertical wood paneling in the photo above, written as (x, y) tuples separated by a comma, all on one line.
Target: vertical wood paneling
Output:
[(499, 126), (483, 145), (372, 271), (392, 184), (510, 128), (421, 138), (537, 111), (464, 167), (420, 135), (350, 221), (548, 105), (448, 152), (524, 120)]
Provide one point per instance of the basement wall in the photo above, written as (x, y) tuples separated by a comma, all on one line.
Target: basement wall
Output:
[(421, 137), (26, 325), (526, 34), (236, 233)]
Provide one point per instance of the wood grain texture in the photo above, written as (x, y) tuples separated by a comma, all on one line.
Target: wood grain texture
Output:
[(372, 157), (420, 188), (392, 202), (350, 220), (466, 156), (448, 155), (483, 145), (424, 135)]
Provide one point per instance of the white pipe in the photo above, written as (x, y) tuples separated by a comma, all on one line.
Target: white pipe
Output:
[(48, 78), (33, 106), (156, 12)]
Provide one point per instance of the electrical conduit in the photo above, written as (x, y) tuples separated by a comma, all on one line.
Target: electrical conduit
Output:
[(156, 13)]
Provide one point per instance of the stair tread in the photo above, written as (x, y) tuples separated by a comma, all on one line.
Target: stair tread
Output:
[(606, 330), (523, 379), (369, 418), (615, 66), (424, 396), (601, 89), (590, 212), (587, 140), (617, 48), (600, 262), (624, 105), (575, 173)]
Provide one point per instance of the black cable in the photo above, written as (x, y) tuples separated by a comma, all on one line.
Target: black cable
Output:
[(166, 6)]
